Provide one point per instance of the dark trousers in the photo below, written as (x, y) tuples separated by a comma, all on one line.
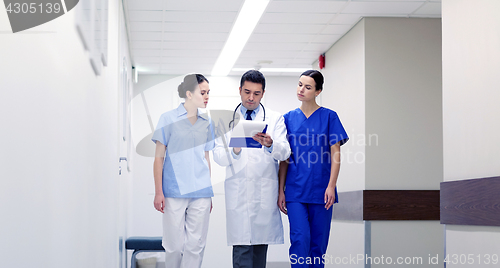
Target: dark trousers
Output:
[(253, 256)]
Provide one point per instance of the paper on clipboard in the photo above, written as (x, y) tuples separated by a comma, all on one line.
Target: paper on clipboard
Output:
[(243, 132)]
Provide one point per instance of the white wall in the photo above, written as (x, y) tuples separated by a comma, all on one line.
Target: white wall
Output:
[(384, 80), (472, 246), (347, 244), (471, 64), (281, 93), (59, 177), (149, 80), (344, 92), (403, 103), (407, 244)]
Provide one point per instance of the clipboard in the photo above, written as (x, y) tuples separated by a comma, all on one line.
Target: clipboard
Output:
[(243, 132)]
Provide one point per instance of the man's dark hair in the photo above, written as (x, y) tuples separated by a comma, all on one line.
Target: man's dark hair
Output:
[(255, 77)]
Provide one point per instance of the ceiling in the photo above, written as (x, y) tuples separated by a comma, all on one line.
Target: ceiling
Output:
[(185, 36)]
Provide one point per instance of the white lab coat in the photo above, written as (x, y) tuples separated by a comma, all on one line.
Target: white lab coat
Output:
[(252, 214)]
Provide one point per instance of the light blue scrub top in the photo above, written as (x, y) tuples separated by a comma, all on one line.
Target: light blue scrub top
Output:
[(185, 170), (309, 166)]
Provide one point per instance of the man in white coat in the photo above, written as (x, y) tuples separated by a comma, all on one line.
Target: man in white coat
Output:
[(253, 219)]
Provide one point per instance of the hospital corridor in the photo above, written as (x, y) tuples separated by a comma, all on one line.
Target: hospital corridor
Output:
[(162, 133)]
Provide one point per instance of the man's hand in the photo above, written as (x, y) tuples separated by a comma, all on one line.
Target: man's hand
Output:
[(264, 139)]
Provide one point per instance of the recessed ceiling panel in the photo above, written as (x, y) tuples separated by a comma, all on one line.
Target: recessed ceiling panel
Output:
[(281, 38), (275, 46), (305, 6), (429, 9), (146, 53), (200, 16), (271, 54), (141, 26), (302, 62), (144, 60), (146, 44), (381, 8), (295, 18), (190, 53), (141, 15), (198, 45), (185, 70), (347, 19), (193, 61), (195, 37), (145, 4), (324, 38), (289, 28), (178, 37), (204, 5), (317, 47), (337, 29), (251, 62), (185, 65), (194, 27), (145, 36)]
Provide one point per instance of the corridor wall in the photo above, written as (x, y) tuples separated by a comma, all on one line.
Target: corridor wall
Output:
[(59, 186), (471, 94), (384, 79)]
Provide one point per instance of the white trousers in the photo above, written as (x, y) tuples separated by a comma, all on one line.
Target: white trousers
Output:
[(185, 228)]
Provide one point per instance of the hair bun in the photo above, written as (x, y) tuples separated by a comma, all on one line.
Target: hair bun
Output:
[(189, 84), (181, 90)]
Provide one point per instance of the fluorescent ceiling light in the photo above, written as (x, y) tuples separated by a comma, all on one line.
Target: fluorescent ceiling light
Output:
[(275, 70), (248, 18)]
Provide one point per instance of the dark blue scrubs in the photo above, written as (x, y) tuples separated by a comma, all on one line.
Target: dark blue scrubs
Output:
[(307, 178)]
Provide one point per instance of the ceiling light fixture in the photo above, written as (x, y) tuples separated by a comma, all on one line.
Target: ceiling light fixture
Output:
[(247, 19), (275, 70)]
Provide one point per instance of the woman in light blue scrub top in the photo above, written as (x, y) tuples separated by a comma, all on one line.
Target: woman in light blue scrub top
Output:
[(308, 179), (183, 189)]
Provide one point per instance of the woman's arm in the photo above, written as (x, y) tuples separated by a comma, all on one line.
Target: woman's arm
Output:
[(281, 191), (159, 201), (334, 174), (207, 157)]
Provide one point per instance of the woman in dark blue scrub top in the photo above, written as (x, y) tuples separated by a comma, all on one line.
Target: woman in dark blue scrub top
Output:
[(307, 181)]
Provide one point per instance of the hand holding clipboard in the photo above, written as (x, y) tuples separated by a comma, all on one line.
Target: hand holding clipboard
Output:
[(263, 139), (250, 134)]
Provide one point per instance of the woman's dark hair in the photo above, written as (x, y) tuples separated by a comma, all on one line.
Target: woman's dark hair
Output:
[(255, 77), (317, 76), (189, 84)]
